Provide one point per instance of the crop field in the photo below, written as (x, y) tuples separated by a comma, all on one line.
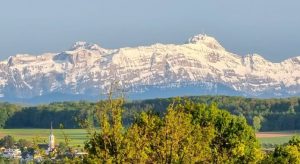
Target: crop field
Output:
[(275, 138), (77, 136)]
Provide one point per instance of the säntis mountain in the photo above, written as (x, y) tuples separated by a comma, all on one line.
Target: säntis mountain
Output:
[(200, 66)]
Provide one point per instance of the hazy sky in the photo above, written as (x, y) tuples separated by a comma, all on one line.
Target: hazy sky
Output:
[(268, 27)]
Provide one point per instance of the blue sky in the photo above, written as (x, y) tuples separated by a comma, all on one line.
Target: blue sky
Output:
[(268, 27)]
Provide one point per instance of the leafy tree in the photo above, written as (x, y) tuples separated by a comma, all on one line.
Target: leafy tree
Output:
[(107, 145), (187, 133), (139, 138), (289, 153), (182, 141), (22, 143), (257, 123), (6, 112), (7, 141), (36, 151), (234, 140)]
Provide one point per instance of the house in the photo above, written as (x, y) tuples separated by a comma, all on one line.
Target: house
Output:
[(12, 153)]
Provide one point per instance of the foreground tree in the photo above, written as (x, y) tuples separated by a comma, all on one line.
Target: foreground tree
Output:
[(289, 153), (187, 133), (233, 140), (108, 144)]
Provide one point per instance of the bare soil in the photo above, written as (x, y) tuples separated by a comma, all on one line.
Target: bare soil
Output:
[(273, 134)]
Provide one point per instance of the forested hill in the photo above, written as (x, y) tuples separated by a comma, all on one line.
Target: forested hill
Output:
[(270, 114)]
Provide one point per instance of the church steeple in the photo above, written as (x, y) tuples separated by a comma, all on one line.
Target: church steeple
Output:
[(51, 139)]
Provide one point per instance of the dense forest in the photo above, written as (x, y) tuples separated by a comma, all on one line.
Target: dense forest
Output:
[(263, 114)]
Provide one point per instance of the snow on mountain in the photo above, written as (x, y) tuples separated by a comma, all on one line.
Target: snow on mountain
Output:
[(201, 63), (205, 40)]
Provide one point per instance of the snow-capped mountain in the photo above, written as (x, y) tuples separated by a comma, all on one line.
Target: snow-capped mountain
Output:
[(200, 66)]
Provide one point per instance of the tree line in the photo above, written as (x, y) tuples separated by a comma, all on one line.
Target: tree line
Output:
[(262, 114)]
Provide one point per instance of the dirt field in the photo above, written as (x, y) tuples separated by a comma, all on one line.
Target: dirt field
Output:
[(273, 134)]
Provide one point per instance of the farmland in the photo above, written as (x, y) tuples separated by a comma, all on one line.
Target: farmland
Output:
[(269, 139), (79, 136), (76, 136)]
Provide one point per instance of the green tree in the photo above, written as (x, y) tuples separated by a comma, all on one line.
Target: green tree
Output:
[(257, 123), (187, 133), (233, 141), (7, 141), (22, 143), (141, 138), (286, 154), (181, 141), (107, 145)]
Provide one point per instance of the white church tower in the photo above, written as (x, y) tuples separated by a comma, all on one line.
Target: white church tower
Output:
[(51, 145)]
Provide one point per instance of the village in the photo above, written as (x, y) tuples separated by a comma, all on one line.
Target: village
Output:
[(24, 151)]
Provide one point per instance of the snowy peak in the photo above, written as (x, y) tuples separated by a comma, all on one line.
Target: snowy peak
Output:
[(206, 40), (78, 46), (81, 52)]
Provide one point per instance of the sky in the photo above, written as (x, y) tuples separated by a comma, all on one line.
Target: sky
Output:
[(270, 28)]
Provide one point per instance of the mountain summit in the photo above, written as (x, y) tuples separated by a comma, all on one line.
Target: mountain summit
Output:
[(201, 66), (206, 40)]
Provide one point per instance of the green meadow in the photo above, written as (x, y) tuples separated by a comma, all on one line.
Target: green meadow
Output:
[(77, 136), (275, 140), (270, 139)]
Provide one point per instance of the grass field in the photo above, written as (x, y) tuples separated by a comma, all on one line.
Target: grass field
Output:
[(77, 136), (276, 138)]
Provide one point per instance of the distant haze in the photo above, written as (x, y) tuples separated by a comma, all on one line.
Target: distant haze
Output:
[(268, 27)]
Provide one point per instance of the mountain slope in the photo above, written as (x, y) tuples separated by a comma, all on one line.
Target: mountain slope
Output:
[(159, 70)]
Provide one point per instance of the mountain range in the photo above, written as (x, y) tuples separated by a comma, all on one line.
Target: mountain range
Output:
[(200, 66)]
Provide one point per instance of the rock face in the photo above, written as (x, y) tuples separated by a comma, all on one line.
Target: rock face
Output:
[(200, 66)]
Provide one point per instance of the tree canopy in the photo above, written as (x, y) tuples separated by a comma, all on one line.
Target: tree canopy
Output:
[(187, 133)]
